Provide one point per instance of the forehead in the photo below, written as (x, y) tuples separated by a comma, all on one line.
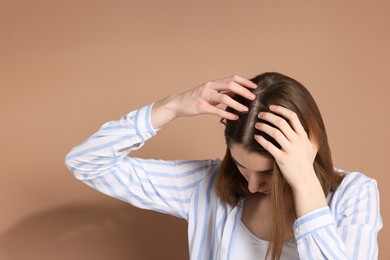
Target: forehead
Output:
[(250, 160)]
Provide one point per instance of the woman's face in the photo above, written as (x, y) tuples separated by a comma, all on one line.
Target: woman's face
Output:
[(256, 169)]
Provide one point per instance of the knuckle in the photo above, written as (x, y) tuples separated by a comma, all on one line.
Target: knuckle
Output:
[(208, 84), (220, 98), (280, 121), (230, 84), (204, 90), (293, 115), (223, 98), (235, 77), (275, 132), (201, 91), (202, 87)]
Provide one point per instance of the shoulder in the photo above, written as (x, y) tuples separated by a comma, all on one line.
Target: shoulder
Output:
[(354, 186), (211, 170), (204, 195), (356, 200), (354, 182)]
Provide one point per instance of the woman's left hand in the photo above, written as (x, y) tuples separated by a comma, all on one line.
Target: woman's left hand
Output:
[(295, 157), (298, 149)]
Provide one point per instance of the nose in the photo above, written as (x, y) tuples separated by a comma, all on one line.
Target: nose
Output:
[(257, 183)]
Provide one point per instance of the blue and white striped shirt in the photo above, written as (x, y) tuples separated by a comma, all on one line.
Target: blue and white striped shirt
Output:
[(346, 229)]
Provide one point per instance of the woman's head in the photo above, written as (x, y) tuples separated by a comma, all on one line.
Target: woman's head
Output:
[(233, 181), (273, 89)]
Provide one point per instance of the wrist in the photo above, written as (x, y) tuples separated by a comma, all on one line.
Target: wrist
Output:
[(308, 195), (164, 111)]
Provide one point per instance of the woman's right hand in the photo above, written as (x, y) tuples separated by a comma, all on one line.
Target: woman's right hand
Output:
[(204, 99)]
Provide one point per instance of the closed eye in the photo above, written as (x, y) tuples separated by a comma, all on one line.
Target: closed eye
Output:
[(268, 172)]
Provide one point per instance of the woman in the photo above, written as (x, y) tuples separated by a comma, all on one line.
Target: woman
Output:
[(276, 193)]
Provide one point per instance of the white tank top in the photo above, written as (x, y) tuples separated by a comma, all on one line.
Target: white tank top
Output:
[(250, 247)]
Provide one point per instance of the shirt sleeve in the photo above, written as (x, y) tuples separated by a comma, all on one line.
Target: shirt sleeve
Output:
[(102, 163), (349, 232)]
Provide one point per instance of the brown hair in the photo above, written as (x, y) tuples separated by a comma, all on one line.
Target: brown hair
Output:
[(274, 89)]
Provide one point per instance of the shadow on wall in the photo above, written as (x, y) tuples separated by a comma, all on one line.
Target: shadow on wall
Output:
[(99, 230)]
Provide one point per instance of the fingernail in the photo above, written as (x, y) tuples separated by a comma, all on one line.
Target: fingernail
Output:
[(261, 114), (244, 108)]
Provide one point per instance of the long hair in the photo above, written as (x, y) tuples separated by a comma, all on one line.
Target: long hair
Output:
[(274, 89)]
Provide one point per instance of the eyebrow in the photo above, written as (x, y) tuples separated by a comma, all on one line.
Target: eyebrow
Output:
[(264, 171)]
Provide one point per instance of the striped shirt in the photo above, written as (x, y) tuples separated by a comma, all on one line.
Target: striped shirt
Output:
[(345, 229)]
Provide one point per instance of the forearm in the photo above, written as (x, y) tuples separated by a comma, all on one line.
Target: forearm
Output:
[(113, 141), (308, 195)]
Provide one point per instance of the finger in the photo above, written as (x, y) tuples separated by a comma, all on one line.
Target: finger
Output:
[(267, 145), (228, 101), (234, 87), (221, 113), (291, 116), (280, 123), (274, 133), (240, 80)]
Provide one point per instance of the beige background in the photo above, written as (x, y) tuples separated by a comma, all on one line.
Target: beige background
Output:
[(66, 67)]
